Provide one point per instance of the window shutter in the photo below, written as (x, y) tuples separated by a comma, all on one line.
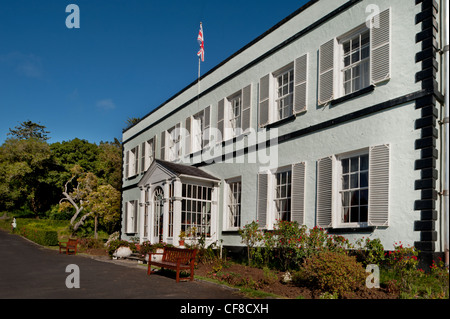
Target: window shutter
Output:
[(155, 138), (163, 146), (298, 193), (379, 185), (380, 46), (301, 67), (127, 164), (326, 72), (263, 180), (187, 142), (206, 132), (264, 105), (324, 192), (135, 215), (126, 218), (246, 107), (136, 161), (221, 120), (143, 157)]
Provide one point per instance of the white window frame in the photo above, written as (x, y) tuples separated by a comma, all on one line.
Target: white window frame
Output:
[(236, 129), (173, 143), (132, 208), (338, 184), (230, 206), (278, 197), (350, 36), (204, 198), (289, 71), (132, 165), (272, 209)]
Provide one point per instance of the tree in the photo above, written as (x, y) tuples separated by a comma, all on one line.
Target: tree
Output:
[(104, 204), (131, 121), (109, 168), (29, 129), (27, 169), (89, 198), (78, 198)]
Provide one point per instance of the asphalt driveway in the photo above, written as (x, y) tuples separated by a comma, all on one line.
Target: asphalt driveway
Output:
[(29, 271)]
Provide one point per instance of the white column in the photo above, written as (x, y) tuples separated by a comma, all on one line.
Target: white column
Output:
[(177, 193), (166, 210), (141, 214)]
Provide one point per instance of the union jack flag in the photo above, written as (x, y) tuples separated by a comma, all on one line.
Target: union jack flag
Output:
[(201, 52)]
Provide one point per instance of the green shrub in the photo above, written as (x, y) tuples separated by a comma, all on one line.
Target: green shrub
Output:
[(332, 272), (40, 235)]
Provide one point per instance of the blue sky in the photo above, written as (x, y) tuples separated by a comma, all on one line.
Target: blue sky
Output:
[(127, 57)]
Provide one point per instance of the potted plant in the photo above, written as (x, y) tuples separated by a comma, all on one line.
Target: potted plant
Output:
[(182, 236)]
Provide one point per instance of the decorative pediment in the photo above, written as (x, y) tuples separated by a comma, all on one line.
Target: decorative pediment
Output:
[(161, 170)]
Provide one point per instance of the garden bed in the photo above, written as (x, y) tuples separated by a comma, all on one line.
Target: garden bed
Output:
[(271, 282)]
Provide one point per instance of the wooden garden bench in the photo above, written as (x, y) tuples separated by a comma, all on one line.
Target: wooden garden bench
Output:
[(69, 247), (176, 259)]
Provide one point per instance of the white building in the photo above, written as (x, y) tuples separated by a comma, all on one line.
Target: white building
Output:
[(331, 118)]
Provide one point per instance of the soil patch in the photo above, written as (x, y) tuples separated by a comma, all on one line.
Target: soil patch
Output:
[(271, 281)]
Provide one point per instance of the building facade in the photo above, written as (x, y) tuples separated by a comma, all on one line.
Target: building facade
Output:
[(331, 118)]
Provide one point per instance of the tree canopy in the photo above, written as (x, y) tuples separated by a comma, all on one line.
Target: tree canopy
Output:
[(35, 176)]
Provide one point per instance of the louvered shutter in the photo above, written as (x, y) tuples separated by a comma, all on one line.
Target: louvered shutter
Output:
[(163, 146), (324, 192), (143, 157), (263, 180), (379, 185), (326, 72), (155, 139), (221, 120), (298, 193), (246, 107), (126, 218), (136, 161), (187, 137), (135, 215), (380, 46), (127, 164), (264, 101), (301, 67), (206, 132)]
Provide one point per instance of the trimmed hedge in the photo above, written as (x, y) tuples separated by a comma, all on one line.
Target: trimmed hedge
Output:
[(41, 236)]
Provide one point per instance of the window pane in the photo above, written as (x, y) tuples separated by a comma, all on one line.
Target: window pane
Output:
[(355, 57), (354, 166), (363, 214), (345, 165), (346, 199), (364, 179), (355, 43), (346, 215), (364, 162), (365, 38), (354, 215), (346, 47), (364, 197), (347, 60), (355, 198), (345, 182), (354, 180)]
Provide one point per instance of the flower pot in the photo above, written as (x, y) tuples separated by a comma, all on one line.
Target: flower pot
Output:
[(181, 242)]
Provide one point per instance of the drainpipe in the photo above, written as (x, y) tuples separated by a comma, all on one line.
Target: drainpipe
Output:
[(446, 132)]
